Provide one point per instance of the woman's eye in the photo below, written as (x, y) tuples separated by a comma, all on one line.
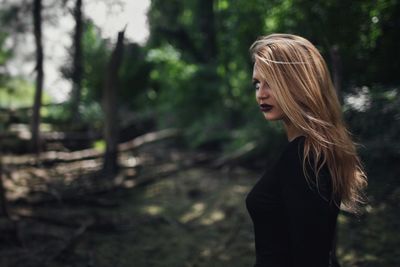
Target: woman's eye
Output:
[(256, 85)]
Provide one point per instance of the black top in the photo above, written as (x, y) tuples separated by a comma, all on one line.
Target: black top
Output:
[(294, 224)]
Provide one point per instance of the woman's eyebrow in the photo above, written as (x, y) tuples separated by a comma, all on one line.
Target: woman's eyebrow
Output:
[(255, 81)]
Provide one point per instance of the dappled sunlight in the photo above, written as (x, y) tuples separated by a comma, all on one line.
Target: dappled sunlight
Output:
[(240, 189), (142, 153), (342, 219), (195, 212), (206, 252), (348, 256), (224, 257), (86, 165), (376, 209), (152, 210), (129, 161), (129, 184), (213, 217), (15, 192), (353, 258), (21, 211)]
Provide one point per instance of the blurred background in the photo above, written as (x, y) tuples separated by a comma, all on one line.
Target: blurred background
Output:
[(130, 136)]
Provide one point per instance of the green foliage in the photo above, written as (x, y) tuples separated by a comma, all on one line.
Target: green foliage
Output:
[(5, 53), (187, 95), (133, 74), (172, 86), (17, 93), (364, 32), (218, 92), (56, 115), (195, 73), (134, 77), (100, 145), (205, 97), (96, 54)]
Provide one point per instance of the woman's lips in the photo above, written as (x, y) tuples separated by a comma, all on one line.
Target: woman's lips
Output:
[(265, 107)]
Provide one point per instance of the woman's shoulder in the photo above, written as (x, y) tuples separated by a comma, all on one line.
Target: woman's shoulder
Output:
[(292, 158), (293, 152), (290, 168)]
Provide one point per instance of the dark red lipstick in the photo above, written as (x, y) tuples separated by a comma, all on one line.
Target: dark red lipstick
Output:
[(265, 107)]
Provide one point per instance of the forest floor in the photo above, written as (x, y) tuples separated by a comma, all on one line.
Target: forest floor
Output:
[(171, 210)]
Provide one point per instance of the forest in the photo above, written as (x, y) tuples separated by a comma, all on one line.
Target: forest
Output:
[(147, 158)]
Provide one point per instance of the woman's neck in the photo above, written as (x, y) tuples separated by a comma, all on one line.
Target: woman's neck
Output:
[(291, 131)]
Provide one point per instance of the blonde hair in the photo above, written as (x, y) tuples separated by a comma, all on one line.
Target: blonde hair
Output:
[(299, 78)]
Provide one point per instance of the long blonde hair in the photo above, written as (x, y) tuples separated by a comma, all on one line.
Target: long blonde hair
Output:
[(300, 81)]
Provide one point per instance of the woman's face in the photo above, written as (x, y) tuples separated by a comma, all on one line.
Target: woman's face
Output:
[(265, 98)]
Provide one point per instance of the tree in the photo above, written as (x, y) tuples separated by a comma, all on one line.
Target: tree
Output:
[(77, 70), (3, 199), (110, 165), (37, 23)]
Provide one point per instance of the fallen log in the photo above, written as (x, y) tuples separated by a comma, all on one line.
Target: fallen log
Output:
[(52, 157), (97, 184)]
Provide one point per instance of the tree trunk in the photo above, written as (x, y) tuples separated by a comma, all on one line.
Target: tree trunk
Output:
[(3, 199), (337, 70), (206, 20), (77, 62), (35, 123), (110, 165)]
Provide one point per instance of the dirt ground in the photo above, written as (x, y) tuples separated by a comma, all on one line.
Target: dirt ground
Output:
[(164, 211)]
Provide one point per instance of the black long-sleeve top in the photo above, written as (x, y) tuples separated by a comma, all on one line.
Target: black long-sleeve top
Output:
[(294, 224)]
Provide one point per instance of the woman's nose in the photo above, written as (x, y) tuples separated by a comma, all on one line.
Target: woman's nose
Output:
[(262, 92)]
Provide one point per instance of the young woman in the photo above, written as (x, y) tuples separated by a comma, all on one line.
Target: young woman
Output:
[(295, 204)]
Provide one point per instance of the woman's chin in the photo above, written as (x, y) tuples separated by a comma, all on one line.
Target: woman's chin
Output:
[(271, 117)]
